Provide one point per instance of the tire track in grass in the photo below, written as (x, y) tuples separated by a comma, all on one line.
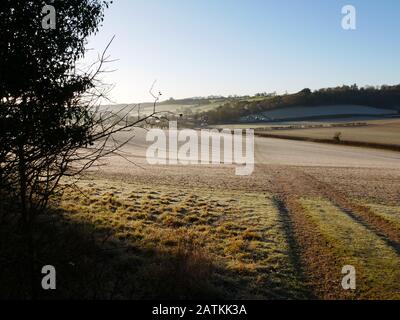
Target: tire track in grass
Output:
[(376, 263), (319, 261), (316, 260), (387, 212), (332, 238), (378, 224), (293, 246), (276, 276)]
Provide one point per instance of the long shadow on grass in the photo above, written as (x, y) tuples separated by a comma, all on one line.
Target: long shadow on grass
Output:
[(90, 265), (294, 250)]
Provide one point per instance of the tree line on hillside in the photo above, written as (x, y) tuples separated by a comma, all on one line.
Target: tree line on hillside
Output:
[(379, 97)]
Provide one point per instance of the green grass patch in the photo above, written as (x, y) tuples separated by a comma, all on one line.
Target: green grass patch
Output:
[(377, 264), (389, 213)]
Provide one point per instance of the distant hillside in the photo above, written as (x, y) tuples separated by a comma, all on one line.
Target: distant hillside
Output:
[(176, 108), (184, 106), (339, 102), (384, 101)]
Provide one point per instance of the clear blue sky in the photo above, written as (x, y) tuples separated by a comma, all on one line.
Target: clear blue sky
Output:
[(205, 47)]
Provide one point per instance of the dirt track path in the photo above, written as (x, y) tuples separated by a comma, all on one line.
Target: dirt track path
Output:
[(313, 253)]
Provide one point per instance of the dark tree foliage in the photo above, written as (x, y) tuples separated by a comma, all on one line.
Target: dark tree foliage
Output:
[(51, 122), (44, 117), (45, 106), (38, 62)]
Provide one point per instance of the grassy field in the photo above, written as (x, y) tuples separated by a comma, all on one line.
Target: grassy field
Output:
[(201, 243), (200, 232), (239, 236), (356, 245), (118, 237)]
